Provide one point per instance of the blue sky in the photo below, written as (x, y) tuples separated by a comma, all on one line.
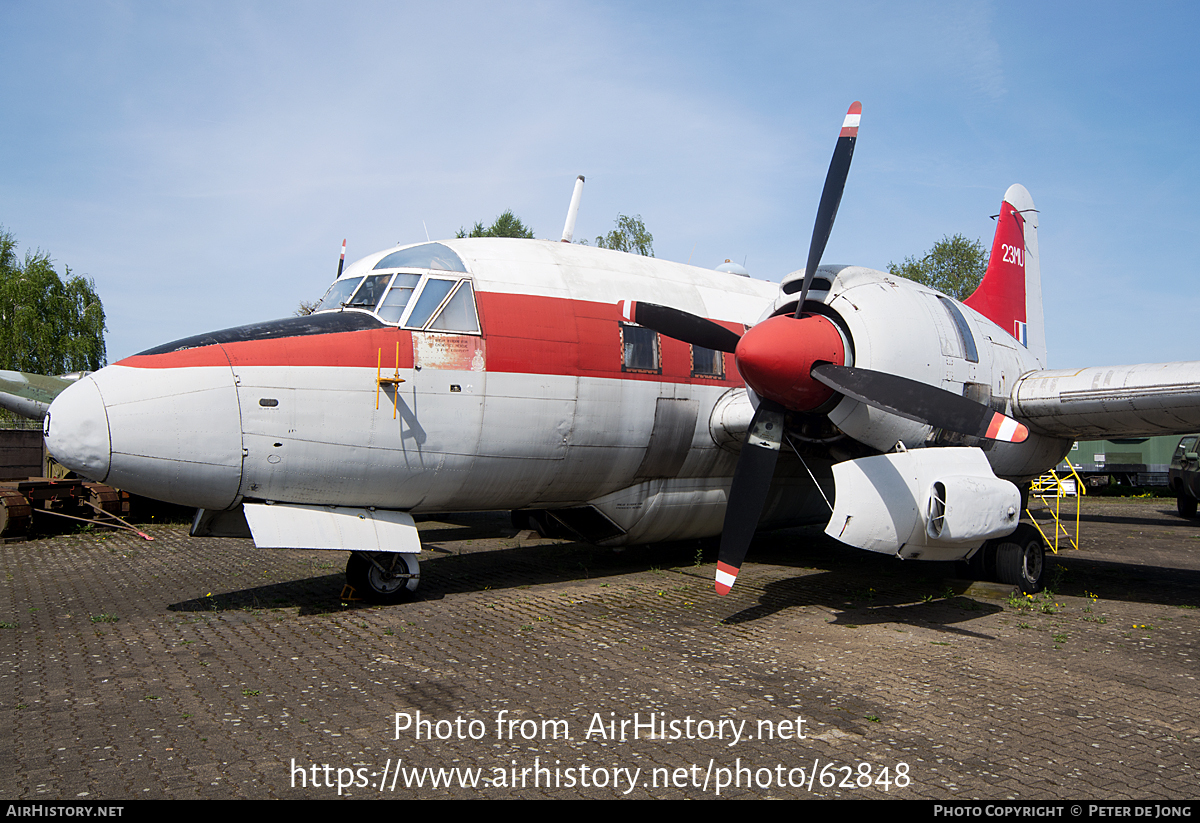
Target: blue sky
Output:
[(203, 161)]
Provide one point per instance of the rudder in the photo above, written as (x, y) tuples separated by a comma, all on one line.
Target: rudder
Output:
[(1010, 294)]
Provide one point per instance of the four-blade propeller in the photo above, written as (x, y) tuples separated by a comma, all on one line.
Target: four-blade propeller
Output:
[(797, 362)]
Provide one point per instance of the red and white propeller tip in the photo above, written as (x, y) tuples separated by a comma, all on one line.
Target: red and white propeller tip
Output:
[(726, 576), (1006, 429), (850, 124)]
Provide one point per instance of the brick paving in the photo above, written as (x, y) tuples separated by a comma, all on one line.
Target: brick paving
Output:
[(207, 668)]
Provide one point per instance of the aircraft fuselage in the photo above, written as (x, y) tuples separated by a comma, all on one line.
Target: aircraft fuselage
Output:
[(521, 386)]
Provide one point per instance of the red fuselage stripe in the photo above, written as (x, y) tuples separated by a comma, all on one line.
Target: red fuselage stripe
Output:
[(523, 334)]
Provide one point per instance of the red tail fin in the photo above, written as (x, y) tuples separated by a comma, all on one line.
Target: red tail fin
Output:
[(1010, 294)]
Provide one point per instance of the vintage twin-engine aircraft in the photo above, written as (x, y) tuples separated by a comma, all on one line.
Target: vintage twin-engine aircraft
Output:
[(593, 390)]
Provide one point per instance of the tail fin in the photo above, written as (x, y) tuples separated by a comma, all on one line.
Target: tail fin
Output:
[(1010, 294)]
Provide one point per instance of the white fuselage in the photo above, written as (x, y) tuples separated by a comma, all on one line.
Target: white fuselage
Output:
[(523, 388)]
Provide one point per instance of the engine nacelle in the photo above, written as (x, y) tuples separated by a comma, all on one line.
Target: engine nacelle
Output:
[(933, 504)]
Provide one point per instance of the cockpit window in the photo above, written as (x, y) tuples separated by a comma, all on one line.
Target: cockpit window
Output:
[(411, 299), (392, 307), (431, 297), (424, 256), (459, 312), (338, 293), (369, 293)]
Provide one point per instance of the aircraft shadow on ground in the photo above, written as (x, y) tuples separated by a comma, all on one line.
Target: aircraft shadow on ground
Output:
[(1129, 582), (860, 587), (1131, 520), (444, 573)]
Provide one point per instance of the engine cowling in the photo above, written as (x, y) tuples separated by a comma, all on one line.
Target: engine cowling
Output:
[(933, 504)]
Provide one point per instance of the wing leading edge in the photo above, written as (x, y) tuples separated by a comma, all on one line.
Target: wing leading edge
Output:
[(1111, 401)]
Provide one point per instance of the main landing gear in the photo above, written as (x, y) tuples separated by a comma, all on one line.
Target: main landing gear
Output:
[(383, 577), (1016, 560)]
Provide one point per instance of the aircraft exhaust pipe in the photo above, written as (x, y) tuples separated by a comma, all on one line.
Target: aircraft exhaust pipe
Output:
[(573, 210)]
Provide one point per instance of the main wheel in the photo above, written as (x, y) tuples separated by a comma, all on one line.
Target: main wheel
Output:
[(383, 577), (1186, 504), (982, 565), (1021, 559)]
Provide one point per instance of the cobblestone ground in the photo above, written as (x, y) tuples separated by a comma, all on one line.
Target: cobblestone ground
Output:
[(206, 668)]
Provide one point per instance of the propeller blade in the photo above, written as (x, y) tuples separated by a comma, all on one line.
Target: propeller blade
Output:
[(681, 325), (831, 196), (927, 404), (751, 480)]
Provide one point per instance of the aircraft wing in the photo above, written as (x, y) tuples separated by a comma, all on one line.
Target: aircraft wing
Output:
[(1114, 401), (30, 395)]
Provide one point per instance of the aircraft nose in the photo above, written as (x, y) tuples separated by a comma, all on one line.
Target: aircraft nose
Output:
[(171, 434), (76, 430)]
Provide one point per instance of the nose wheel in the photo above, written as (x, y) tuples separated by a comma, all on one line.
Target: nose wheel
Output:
[(383, 577)]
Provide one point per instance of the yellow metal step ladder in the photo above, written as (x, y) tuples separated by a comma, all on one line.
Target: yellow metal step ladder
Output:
[(1050, 489)]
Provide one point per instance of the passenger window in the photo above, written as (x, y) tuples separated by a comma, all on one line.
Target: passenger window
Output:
[(707, 363), (640, 347), (392, 307)]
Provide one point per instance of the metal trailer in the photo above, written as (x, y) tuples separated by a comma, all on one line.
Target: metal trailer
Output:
[(1134, 461)]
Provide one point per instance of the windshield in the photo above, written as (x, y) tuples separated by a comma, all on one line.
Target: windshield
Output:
[(338, 293), (410, 299), (369, 293)]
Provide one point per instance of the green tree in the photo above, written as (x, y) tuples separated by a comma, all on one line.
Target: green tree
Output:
[(629, 235), (954, 266), (506, 225), (47, 326)]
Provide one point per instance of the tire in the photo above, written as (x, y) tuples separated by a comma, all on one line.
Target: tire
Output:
[(1021, 559), (1186, 504), (383, 577), (982, 565)]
